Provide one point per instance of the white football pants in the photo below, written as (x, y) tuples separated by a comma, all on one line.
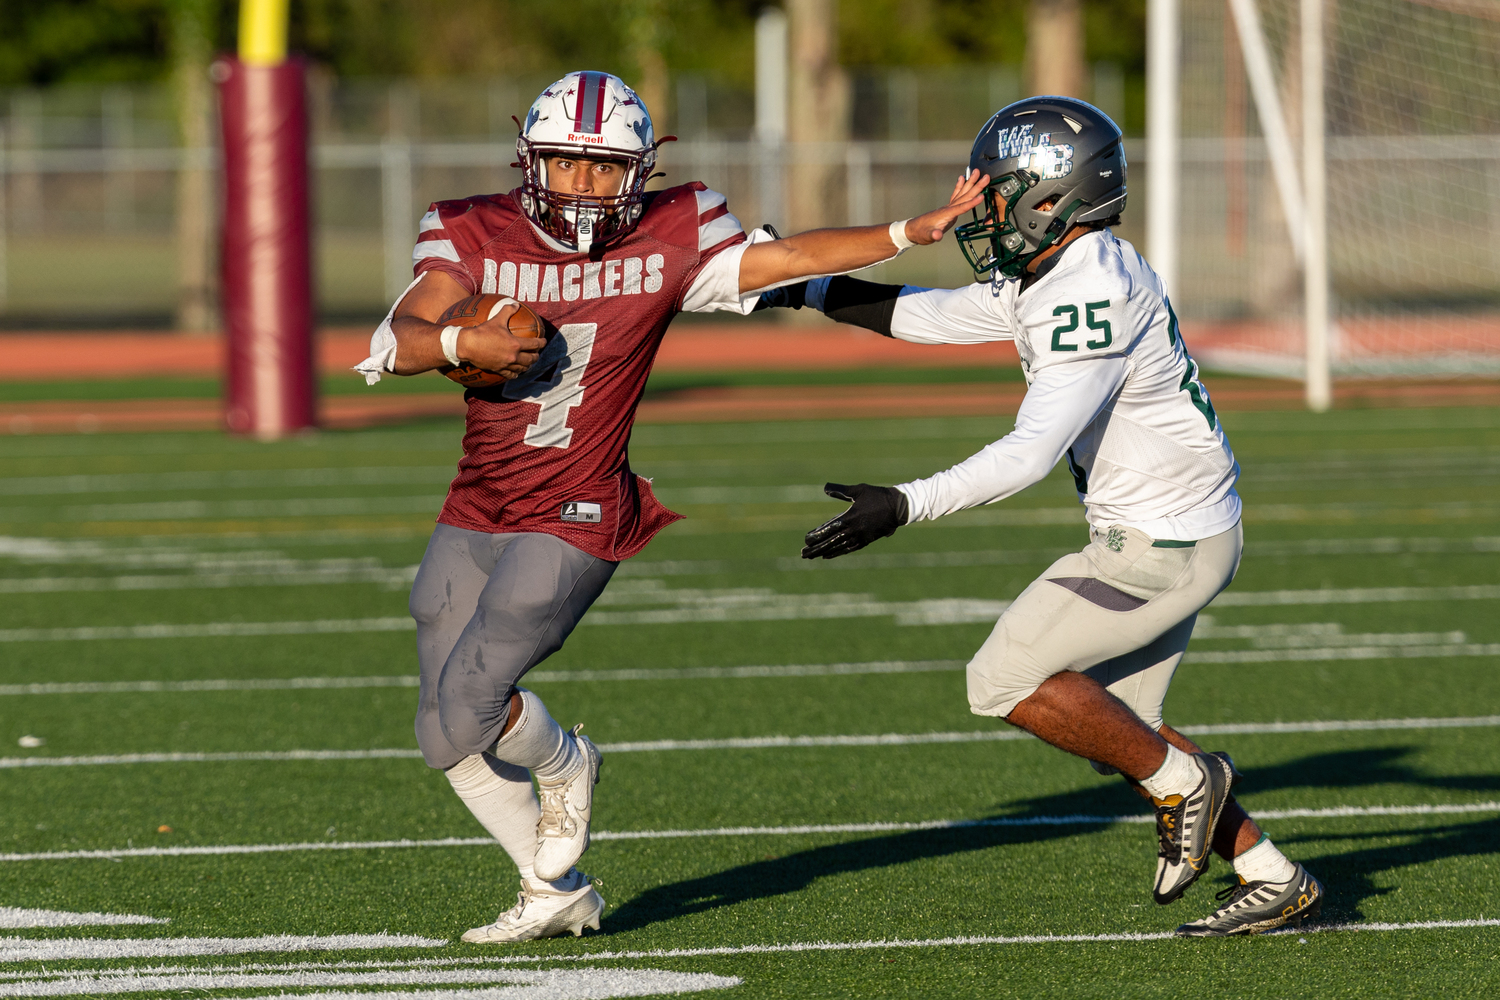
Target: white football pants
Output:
[(1122, 611)]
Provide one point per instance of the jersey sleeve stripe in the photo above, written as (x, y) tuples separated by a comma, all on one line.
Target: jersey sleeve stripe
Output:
[(430, 221), (434, 248), (723, 228), (708, 200), (705, 218), (719, 248)]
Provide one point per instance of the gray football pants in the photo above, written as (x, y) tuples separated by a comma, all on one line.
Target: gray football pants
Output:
[(1122, 611), (488, 609)]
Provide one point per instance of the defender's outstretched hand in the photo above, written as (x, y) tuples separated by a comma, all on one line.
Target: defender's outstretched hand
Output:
[(877, 512), (967, 194)]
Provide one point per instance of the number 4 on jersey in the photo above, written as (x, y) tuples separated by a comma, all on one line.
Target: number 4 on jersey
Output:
[(555, 383)]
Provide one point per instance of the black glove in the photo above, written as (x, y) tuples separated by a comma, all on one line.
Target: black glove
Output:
[(877, 512), (785, 297)]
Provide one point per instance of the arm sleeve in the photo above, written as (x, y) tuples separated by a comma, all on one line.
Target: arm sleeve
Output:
[(969, 315), (853, 301), (1062, 401), (906, 312)]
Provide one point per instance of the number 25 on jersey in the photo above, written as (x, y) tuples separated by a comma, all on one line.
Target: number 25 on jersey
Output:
[(1105, 335)]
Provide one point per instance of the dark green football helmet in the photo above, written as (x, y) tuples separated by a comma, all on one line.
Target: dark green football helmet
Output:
[(1053, 163)]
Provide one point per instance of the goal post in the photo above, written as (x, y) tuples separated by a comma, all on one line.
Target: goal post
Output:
[(1403, 96), (270, 387)]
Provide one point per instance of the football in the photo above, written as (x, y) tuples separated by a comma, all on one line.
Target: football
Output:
[(477, 309)]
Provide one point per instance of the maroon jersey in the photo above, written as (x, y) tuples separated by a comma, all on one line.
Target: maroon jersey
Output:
[(546, 451)]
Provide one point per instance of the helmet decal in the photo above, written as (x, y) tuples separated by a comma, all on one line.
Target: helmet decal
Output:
[(1052, 162), (1014, 141), (1040, 189), (589, 94), (580, 117)]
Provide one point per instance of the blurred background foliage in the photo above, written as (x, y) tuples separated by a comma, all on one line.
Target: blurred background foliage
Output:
[(104, 41)]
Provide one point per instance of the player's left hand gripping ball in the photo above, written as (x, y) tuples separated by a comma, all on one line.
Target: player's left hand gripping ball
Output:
[(877, 512), (481, 310)]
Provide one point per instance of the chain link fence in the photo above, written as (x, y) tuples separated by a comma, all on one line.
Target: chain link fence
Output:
[(89, 233)]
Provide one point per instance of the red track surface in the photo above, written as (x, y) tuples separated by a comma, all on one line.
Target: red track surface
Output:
[(730, 346), (691, 348)]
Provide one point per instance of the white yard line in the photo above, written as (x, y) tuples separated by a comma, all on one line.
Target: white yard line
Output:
[(493, 983), (760, 742), (534, 677), (189, 510), (208, 630), (390, 578), (1343, 653), (230, 479), (800, 830), (13, 917), (14, 949), (1354, 595), (971, 940), (760, 604)]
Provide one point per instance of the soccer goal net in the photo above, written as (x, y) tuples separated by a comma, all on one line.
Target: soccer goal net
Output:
[(1412, 133)]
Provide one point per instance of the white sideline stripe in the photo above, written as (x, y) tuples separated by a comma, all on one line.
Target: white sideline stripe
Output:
[(15, 949), (764, 742), (188, 510), (1344, 653), (14, 917), (554, 676), (1334, 812), (762, 949), (154, 687), (1355, 595), (209, 630), (206, 581), (494, 984), (779, 607)]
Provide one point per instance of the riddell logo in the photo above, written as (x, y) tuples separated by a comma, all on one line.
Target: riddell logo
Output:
[(597, 140)]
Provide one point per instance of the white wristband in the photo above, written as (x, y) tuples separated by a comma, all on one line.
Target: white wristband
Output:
[(898, 235), (450, 344)]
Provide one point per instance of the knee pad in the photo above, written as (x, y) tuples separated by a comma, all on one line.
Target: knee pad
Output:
[(427, 603)]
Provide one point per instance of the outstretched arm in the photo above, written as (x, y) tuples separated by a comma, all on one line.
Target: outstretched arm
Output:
[(834, 251)]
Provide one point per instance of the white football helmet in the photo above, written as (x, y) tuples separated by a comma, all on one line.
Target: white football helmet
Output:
[(595, 115)]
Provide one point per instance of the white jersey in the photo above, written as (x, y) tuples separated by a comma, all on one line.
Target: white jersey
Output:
[(1111, 387)]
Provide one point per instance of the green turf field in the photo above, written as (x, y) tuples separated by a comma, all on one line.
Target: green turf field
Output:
[(210, 638), (350, 384)]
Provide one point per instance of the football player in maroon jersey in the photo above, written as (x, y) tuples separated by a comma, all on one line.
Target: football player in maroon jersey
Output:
[(545, 504)]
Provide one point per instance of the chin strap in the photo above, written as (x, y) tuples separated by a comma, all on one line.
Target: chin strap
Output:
[(585, 229)]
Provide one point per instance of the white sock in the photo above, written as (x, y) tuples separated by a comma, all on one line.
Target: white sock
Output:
[(571, 882), (537, 743), (1264, 863), (1179, 774), (500, 797)]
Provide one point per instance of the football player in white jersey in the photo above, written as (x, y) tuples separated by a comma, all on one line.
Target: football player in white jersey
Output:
[(1082, 658)]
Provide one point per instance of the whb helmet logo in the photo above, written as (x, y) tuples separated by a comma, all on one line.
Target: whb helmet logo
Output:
[(1052, 162), (1014, 142)]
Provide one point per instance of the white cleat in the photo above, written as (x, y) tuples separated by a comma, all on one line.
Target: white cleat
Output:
[(542, 912), (562, 833)]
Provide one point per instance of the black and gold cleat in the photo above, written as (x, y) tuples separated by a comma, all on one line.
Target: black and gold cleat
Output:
[(1253, 907), (1185, 827)]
